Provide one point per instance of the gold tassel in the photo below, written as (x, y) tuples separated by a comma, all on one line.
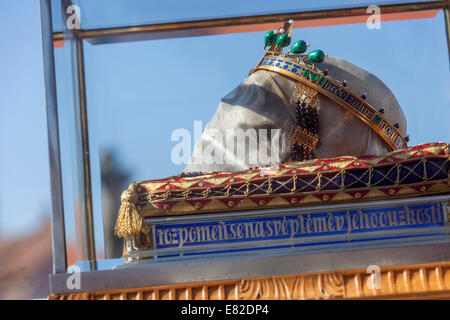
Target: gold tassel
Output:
[(129, 222)]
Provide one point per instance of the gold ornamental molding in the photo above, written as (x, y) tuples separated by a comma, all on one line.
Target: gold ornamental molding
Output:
[(420, 281)]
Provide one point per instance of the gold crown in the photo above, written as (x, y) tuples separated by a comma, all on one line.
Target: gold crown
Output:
[(302, 69)]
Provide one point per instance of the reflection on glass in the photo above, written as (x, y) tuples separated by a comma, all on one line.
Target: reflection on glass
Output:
[(115, 179), (119, 13)]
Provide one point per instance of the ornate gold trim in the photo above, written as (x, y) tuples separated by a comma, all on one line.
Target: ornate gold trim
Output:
[(181, 207), (418, 281)]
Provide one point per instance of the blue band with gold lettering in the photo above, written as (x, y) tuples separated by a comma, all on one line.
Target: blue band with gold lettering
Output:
[(303, 230)]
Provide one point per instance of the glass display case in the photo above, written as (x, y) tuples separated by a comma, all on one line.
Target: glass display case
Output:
[(124, 78)]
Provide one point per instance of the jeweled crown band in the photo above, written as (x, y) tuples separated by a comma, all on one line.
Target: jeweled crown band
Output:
[(337, 93)]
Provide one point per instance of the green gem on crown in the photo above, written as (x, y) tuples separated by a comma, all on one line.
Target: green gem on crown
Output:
[(316, 56), (314, 76), (283, 40), (306, 73), (377, 119), (299, 47), (321, 81), (270, 38)]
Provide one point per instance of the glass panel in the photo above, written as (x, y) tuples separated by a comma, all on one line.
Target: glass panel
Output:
[(119, 13), (71, 161), (138, 93)]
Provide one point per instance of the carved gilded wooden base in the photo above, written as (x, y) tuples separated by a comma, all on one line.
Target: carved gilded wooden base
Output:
[(424, 281)]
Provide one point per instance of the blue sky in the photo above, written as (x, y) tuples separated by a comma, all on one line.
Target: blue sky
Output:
[(24, 180), (138, 93)]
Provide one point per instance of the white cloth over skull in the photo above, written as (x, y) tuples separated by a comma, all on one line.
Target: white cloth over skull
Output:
[(265, 100)]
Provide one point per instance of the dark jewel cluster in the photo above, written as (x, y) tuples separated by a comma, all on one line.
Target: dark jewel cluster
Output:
[(307, 118)]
